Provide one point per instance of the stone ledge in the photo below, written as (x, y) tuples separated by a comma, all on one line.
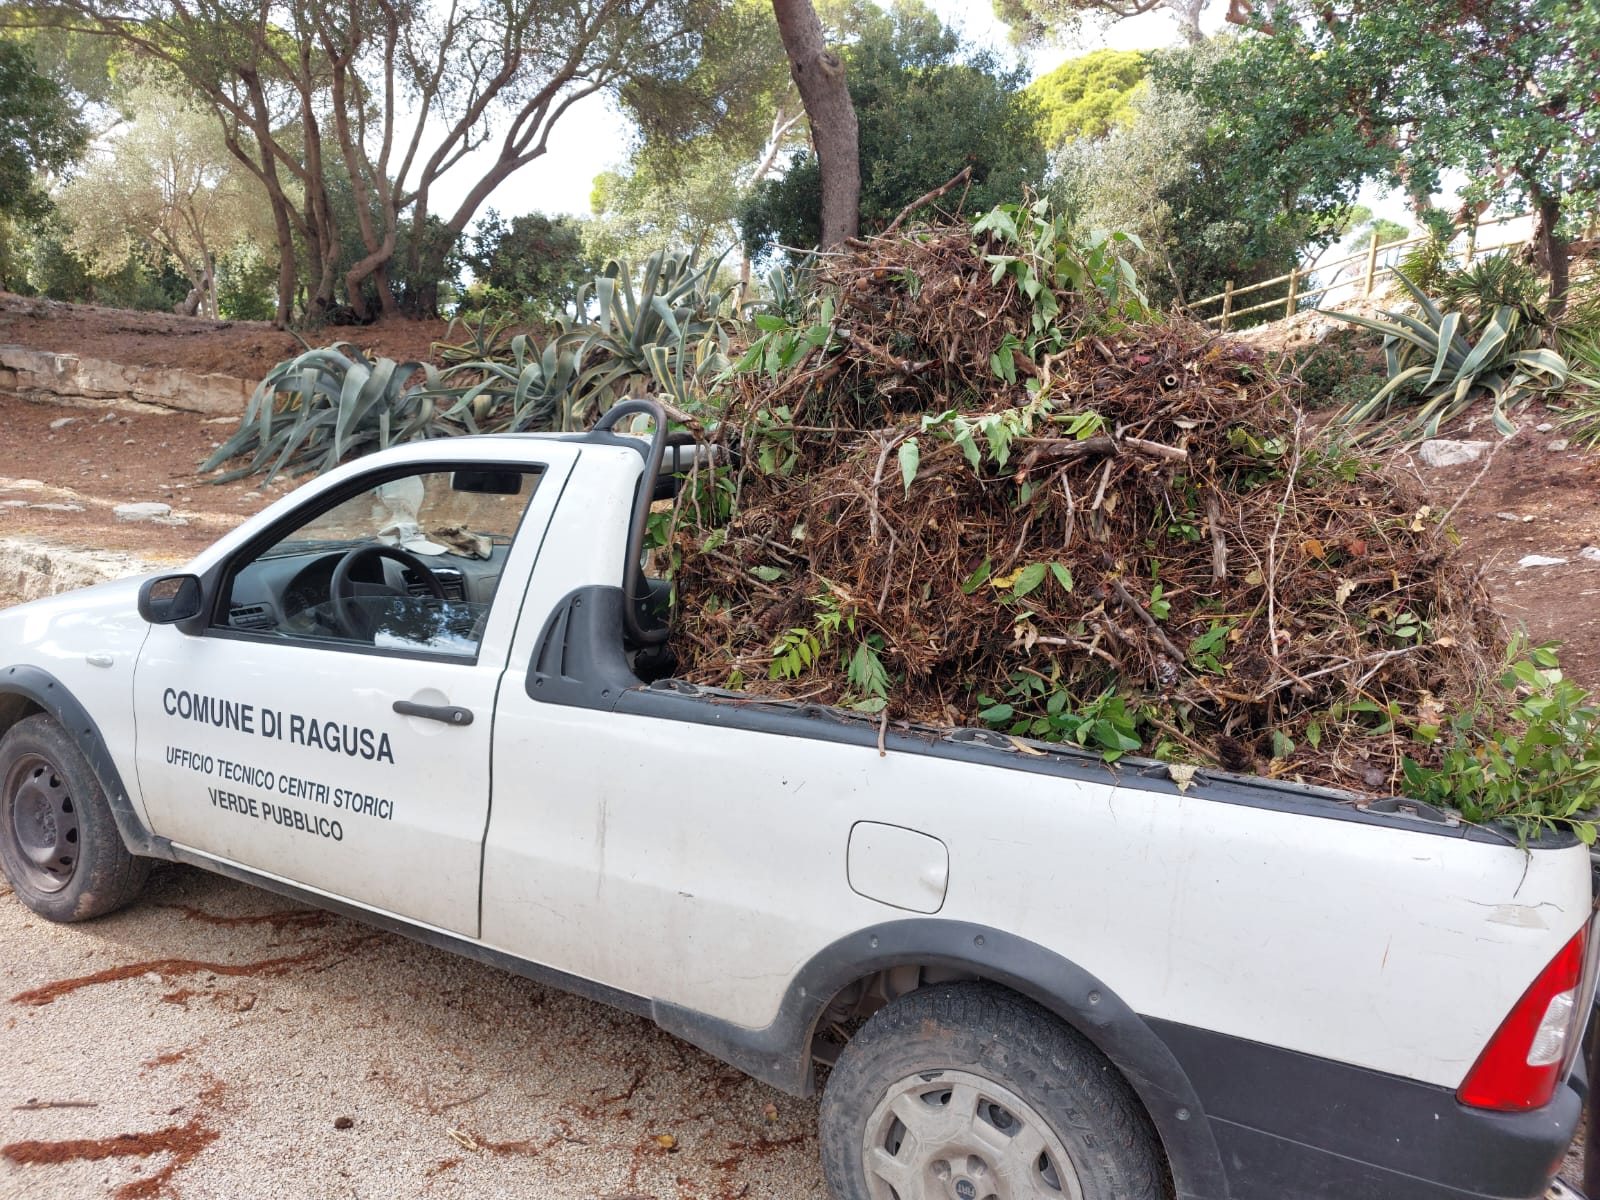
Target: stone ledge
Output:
[(70, 378), (32, 567)]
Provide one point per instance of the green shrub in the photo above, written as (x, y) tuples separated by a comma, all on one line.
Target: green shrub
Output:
[(1538, 770), (1343, 368)]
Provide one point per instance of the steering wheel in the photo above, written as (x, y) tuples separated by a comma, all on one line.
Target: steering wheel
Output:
[(347, 593)]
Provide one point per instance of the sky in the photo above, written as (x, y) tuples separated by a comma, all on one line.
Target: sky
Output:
[(592, 137)]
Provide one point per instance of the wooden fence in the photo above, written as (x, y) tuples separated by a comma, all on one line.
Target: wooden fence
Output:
[(1372, 272)]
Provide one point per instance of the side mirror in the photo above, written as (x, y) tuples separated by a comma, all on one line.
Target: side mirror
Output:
[(168, 599)]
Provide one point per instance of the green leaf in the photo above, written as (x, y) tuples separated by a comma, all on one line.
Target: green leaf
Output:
[(997, 714), (1447, 335), (767, 574), (977, 579), (1543, 361), (1063, 576), (1031, 577), (866, 672), (910, 460), (1493, 337), (961, 435)]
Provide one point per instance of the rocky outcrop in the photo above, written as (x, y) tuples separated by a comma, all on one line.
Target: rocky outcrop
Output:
[(71, 379), (32, 567)]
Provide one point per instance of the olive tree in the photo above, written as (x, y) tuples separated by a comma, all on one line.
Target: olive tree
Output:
[(396, 94), (162, 185)]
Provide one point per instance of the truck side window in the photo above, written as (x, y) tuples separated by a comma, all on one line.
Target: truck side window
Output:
[(409, 564)]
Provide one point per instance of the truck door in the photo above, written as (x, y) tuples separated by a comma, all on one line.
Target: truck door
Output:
[(330, 724)]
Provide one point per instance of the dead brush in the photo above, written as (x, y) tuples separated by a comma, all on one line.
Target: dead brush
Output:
[(941, 512)]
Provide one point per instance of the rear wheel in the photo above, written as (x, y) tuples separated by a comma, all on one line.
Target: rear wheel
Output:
[(59, 846), (969, 1092)]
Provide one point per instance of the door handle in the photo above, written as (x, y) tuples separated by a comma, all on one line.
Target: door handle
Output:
[(449, 714)]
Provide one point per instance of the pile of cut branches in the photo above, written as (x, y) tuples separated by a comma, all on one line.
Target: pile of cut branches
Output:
[(977, 485)]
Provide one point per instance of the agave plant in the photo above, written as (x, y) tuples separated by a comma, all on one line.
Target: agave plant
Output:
[(669, 337), (1431, 351), (318, 408), (671, 333), (789, 291), (525, 388), (483, 337)]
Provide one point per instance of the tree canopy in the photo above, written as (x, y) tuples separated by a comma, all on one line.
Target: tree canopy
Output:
[(395, 95), (927, 106), (165, 184), (1322, 97), (39, 130), (1084, 97), (1042, 20), (1205, 209)]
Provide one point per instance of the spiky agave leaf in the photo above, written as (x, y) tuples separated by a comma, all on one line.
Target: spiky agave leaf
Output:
[(312, 411), (1504, 365)]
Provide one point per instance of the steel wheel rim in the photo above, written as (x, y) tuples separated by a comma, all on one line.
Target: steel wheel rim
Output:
[(42, 821), (952, 1135)]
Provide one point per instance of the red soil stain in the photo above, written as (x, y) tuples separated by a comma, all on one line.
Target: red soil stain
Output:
[(162, 967), (183, 1142), (755, 1149), (295, 918), (167, 1059)]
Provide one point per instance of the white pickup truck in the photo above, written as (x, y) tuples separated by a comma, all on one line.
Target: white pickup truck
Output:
[(428, 690)]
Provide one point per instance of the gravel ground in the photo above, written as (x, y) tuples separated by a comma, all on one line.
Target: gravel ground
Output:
[(218, 1041)]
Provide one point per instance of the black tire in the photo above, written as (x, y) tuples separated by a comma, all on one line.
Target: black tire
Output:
[(1028, 1080), (59, 846)]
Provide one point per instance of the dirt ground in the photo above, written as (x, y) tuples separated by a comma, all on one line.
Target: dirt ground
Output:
[(211, 1041), (217, 1042)]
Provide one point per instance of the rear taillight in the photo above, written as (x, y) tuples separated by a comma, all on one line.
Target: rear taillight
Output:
[(1522, 1065)]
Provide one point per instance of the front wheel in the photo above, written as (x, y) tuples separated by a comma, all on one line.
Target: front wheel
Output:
[(970, 1092), (59, 846)]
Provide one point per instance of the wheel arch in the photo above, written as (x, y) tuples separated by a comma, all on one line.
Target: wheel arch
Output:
[(26, 691), (781, 1053)]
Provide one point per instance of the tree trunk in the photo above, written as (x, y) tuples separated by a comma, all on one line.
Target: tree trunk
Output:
[(288, 268), (1551, 253), (819, 74), (1187, 14)]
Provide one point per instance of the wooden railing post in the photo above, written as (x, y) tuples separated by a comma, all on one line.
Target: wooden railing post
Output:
[(1372, 262), (1227, 305), (1294, 290)]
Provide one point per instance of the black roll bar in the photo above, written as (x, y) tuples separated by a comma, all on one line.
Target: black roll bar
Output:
[(633, 577)]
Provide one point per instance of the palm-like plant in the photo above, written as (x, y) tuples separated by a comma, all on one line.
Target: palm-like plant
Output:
[(317, 408), (673, 332), (1432, 352)]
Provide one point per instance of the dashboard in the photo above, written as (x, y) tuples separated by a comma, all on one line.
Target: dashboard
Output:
[(288, 590)]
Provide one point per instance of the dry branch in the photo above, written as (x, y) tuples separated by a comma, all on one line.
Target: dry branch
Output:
[(960, 176), (1290, 578)]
